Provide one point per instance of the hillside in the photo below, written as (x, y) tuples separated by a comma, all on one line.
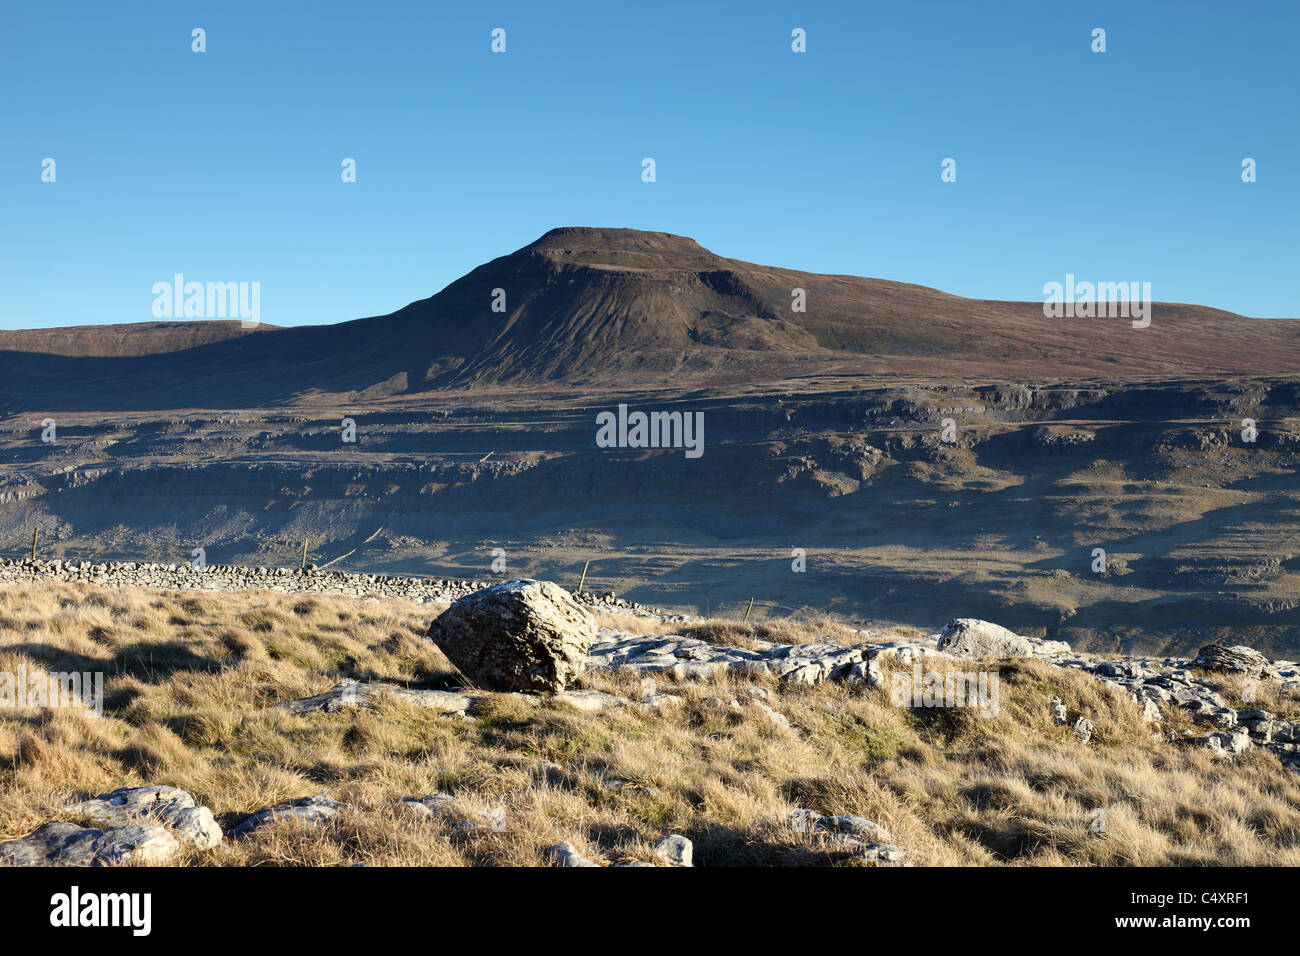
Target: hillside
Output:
[(620, 307), (731, 762), (475, 431), (122, 341), (1199, 526)]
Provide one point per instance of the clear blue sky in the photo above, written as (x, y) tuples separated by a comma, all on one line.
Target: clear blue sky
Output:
[(225, 165)]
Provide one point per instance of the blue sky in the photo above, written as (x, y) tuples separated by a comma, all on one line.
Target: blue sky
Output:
[(225, 165)]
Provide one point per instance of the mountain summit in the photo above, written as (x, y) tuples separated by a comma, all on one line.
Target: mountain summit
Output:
[(595, 307)]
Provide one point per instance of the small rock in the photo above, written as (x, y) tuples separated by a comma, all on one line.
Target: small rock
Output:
[(1225, 718), (493, 820), (654, 703), (550, 774), (350, 693), (566, 854), (592, 701), (66, 844), (775, 716), (810, 821), (315, 809), (862, 853), (1083, 729), (428, 806), (1253, 716), (717, 703), (675, 850), (194, 824)]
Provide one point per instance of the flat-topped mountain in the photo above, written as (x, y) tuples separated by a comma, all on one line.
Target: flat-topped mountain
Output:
[(623, 308)]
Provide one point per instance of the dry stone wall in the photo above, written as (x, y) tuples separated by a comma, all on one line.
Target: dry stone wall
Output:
[(311, 580)]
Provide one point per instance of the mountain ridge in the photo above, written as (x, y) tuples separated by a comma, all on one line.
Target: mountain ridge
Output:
[(609, 308)]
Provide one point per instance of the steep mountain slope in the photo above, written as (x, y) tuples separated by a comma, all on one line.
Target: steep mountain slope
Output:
[(621, 307)]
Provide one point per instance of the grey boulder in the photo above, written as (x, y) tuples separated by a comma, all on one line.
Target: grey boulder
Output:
[(177, 809), (969, 637), (810, 821), (566, 854), (428, 806), (66, 844), (522, 635), (675, 850), (315, 809), (1237, 659)]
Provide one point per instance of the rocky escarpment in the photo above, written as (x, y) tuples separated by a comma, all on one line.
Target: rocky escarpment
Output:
[(912, 500)]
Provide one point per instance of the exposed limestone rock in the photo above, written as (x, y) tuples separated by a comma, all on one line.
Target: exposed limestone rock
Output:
[(654, 703), (176, 808), (522, 635), (1237, 659), (969, 637), (810, 821), (350, 693), (675, 850), (1225, 718), (66, 844), (1234, 742), (775, 716), (730, 705), (858, 840), (681, 658), (590, 700), (429, 806), (863, 853), (1287, 733), (565, 854), (492, 820), (1083, 729), (867, 674), (315, 809)]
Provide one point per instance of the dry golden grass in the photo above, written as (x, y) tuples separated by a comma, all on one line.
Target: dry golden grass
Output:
[(775, 630), (191, 679)]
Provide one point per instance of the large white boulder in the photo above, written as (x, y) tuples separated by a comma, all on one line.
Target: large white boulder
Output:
[(970, 637)]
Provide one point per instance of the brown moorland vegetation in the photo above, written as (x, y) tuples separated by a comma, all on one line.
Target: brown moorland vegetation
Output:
[(192, 677)]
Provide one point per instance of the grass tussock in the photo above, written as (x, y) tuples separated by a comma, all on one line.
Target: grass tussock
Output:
[(774, 631), (191, 680)]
